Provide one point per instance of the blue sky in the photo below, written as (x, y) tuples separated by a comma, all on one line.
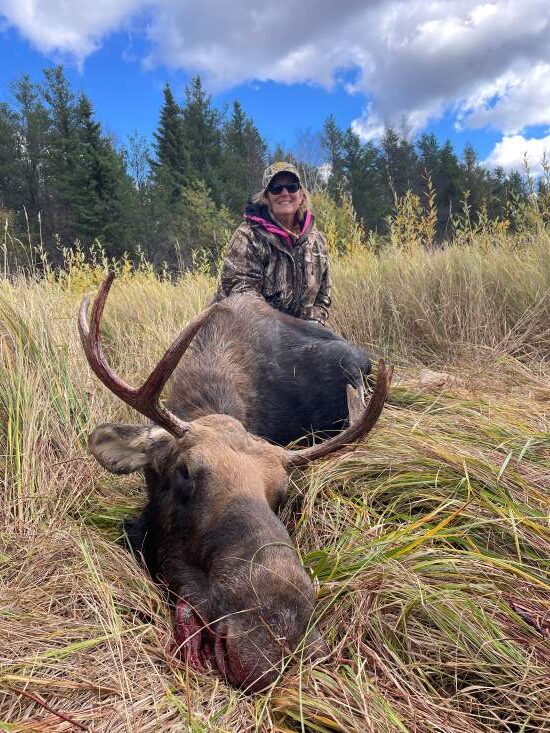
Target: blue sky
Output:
[(468, 71)]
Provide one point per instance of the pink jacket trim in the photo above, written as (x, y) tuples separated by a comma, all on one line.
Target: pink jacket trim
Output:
[(272, 228)]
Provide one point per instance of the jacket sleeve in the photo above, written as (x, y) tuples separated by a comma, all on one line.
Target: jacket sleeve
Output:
[(321, 306), (243, 265)]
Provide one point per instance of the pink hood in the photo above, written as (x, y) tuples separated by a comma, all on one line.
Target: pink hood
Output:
[(272, 228)]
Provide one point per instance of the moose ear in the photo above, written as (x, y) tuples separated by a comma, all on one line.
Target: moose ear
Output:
[(127, 448)]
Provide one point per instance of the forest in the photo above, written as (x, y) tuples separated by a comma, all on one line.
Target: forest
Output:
[(64, 181)]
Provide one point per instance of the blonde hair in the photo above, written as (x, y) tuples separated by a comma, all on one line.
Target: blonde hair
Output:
[(261, 198)]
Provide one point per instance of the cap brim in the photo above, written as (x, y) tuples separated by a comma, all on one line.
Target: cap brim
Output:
[(280, 173)]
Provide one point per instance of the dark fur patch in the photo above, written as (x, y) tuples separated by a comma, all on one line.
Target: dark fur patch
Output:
[(282, 377)]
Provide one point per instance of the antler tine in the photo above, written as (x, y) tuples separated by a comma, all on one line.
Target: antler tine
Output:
[(354, 432), (146, 398), (90, 338)]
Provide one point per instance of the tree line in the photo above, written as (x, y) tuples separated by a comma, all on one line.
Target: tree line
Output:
[(64, 180)]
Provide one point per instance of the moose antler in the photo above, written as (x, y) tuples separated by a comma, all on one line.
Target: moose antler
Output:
[(356, 430), (145, 399)]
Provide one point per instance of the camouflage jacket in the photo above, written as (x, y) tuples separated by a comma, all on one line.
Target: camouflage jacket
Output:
[(291, 273)]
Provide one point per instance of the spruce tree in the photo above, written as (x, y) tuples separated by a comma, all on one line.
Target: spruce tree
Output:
[(449, 185), (442, 165), (100, 187), (32, 146), (170, 167), (202, 134), (475, 180), (244, 159), (11, 174), (401, 162), (362, 167), (429, 154), (61, 148)]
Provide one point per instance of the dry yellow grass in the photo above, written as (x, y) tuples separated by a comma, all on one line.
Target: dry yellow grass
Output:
[(430, 544)]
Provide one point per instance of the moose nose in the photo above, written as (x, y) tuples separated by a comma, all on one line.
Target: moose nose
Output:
[(250, 676)]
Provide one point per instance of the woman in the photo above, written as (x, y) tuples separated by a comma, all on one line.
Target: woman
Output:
[(278, 251)]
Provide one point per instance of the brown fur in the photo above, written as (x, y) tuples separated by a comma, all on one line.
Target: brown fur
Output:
[(210, 534)]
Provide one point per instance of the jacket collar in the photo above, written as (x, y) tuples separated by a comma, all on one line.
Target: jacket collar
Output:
[(259, 214)]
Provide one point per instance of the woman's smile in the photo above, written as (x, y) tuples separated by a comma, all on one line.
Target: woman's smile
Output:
[(284, 204)]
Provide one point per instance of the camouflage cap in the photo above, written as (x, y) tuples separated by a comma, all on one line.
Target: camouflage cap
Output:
[(279, 167)]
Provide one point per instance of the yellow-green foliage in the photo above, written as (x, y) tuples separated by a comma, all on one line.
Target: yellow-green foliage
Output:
[(81, 271), (483, 231), (413, 222), (338, 222), (205, 229), (429, 544)]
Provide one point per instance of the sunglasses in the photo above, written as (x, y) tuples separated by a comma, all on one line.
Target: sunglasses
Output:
[(278, 188)]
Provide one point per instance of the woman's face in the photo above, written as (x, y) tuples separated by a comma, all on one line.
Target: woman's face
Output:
[(284, 204)]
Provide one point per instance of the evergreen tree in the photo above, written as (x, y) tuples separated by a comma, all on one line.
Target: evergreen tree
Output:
[(61, 148), (11, 180), (171, 166), (202, 135), (429, 154), (450, 183), (443, 167), (32, 140), (100, 187), (401, 162), (333, 144), (170, 172), (475, 180), (89, 178), (363, 171), (244, 159)]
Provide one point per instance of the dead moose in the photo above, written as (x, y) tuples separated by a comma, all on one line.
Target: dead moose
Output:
[(210, 532)]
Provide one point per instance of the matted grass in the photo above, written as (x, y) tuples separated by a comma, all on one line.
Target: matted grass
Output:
[(430, 544)]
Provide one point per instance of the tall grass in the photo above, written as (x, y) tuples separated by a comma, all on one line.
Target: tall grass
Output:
[(431, 305), (429, 544)]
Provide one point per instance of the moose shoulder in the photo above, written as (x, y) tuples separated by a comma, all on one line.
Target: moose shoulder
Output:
[(209, 532)]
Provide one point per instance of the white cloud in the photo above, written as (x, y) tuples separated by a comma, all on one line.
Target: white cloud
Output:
[(67, 26), (237, 42), (518, 99), (488, 62), (512, 151)]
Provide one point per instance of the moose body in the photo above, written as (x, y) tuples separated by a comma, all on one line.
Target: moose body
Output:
[(209, 532), (281, 376)]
